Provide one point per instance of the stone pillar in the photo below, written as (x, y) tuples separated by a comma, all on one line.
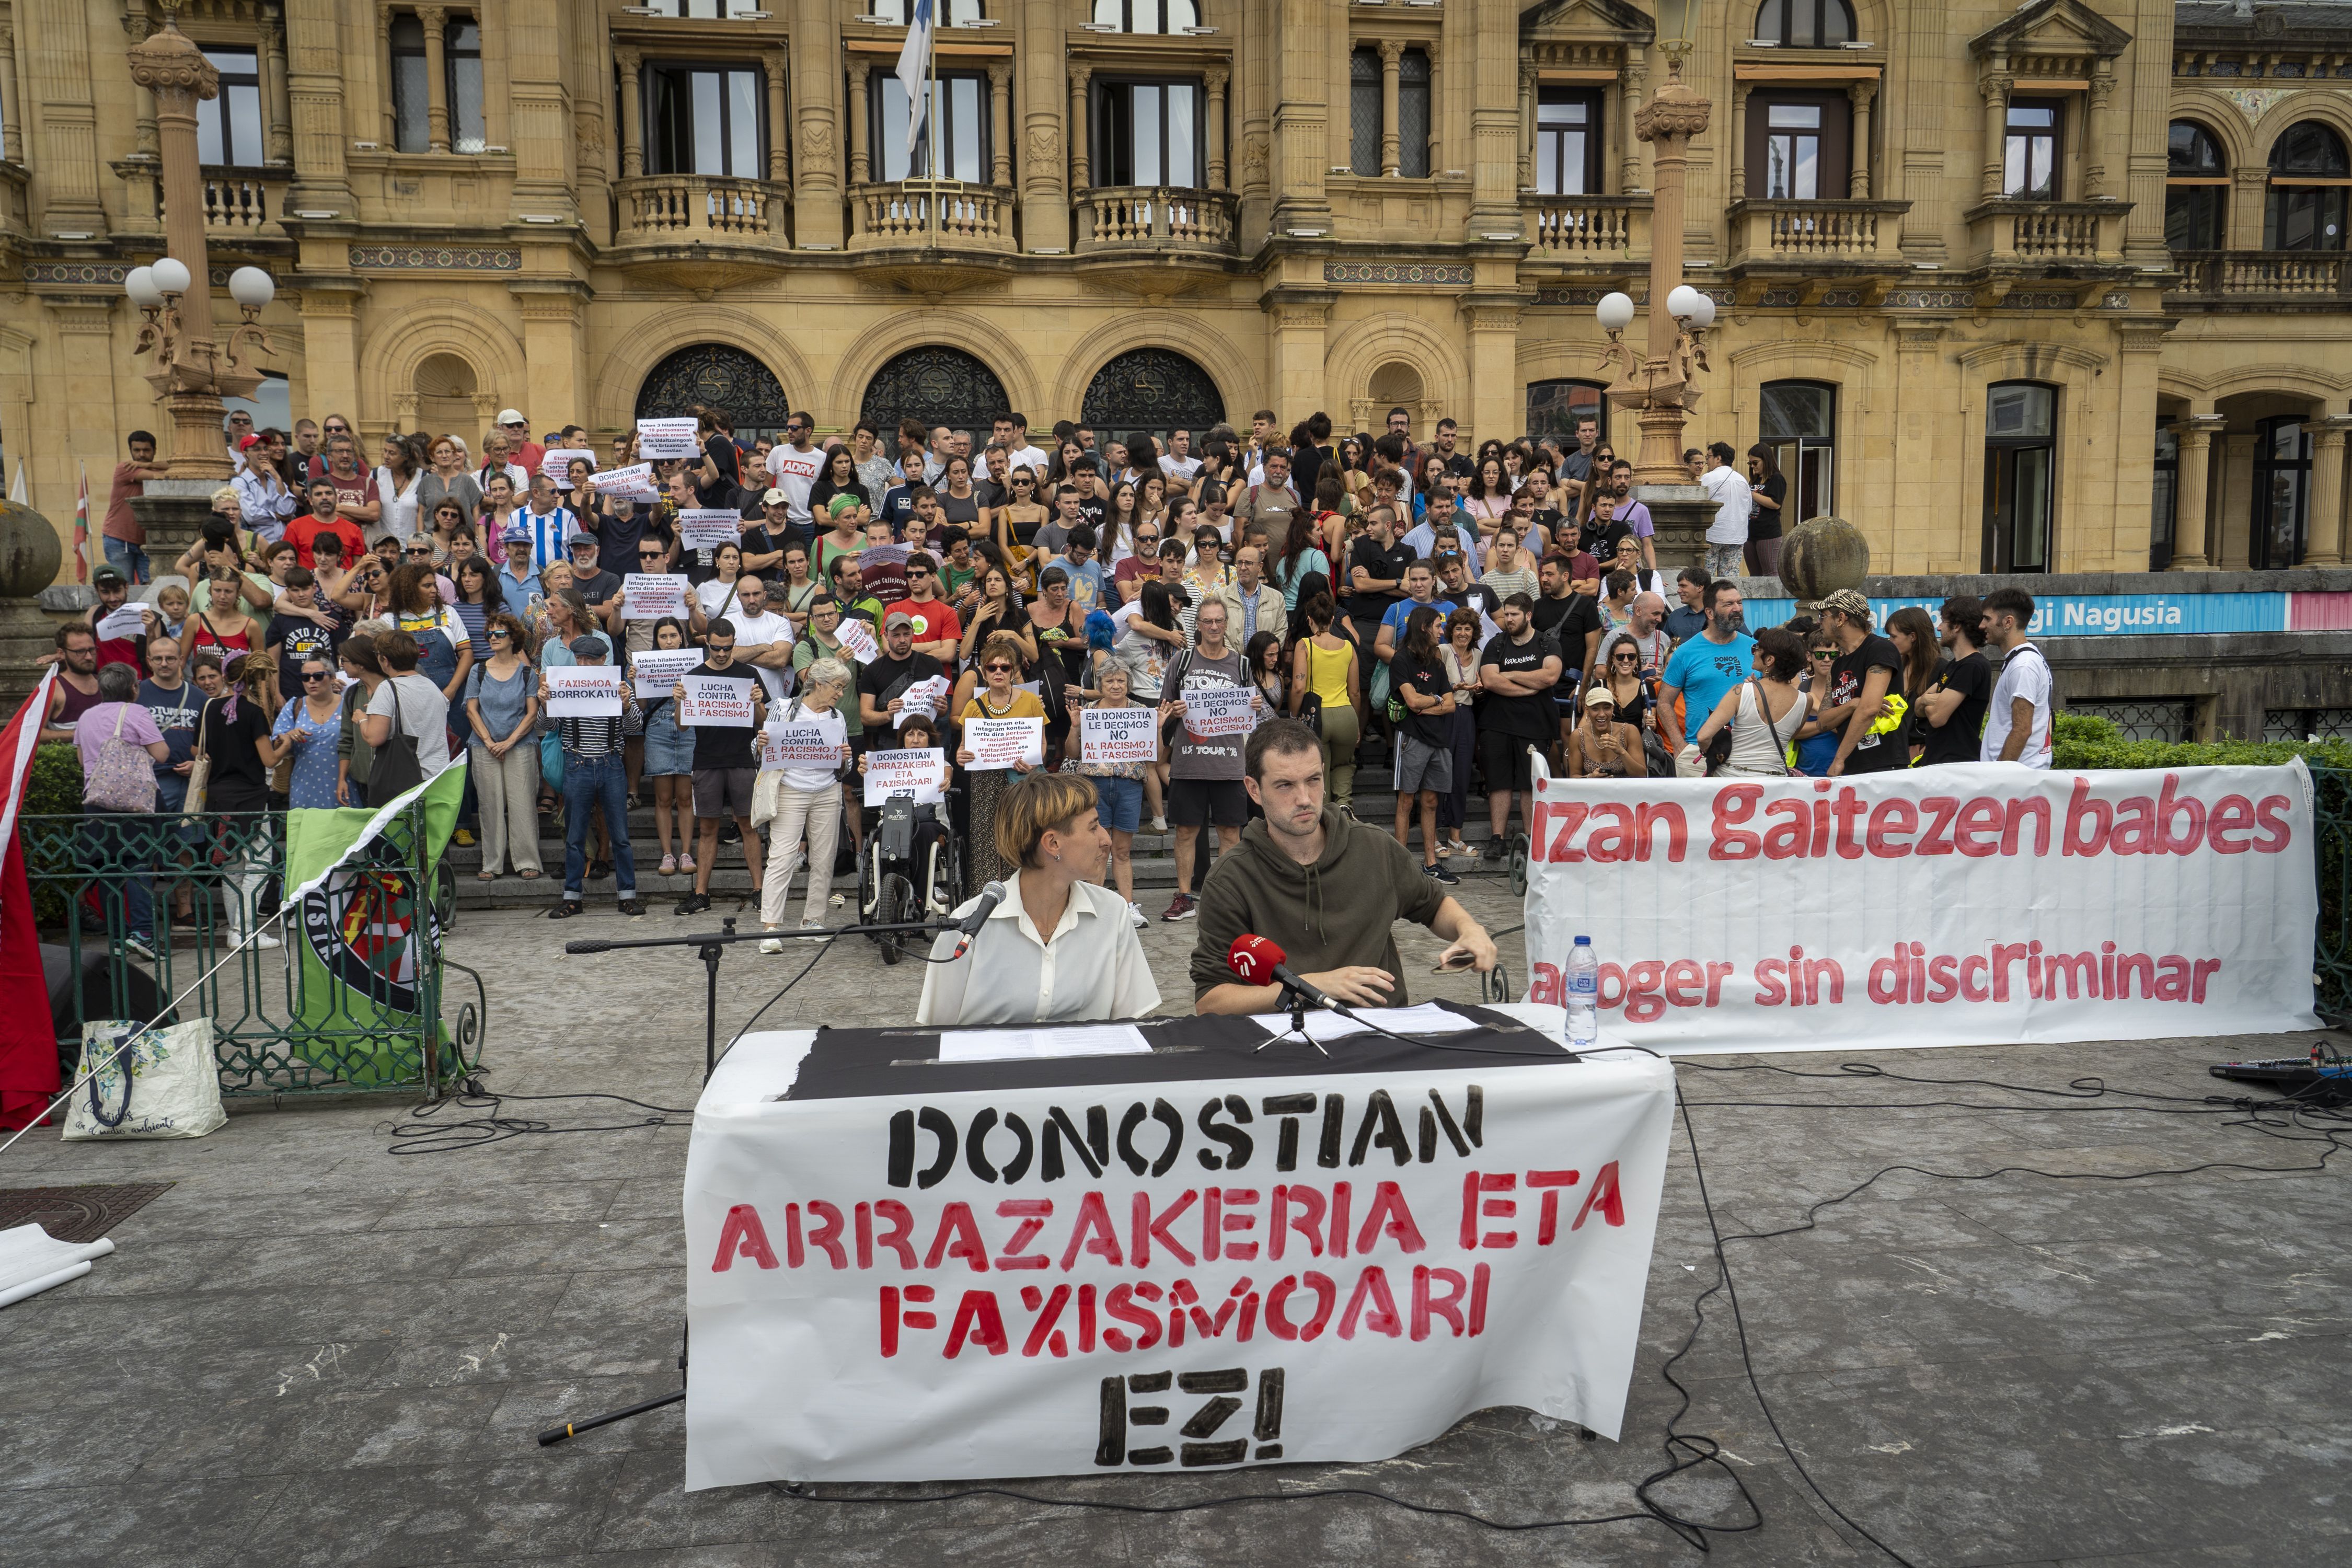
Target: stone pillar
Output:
[(779, 167), (12, 125), (858, 114), (330, 310), (551, 344), (1217, 80), (1493, 320), (540, 107), (1301, 145), (1300, 318), (633, 119), (1528, 117), (142, 123), (1860, 95), (1391, 65), (141, 197), (277, 122), (1436, 110), (1043, 171), (1081, 180), (1740, 91), (2232, 538), (1632, 77), (314, 88), (2326, 505), (1486, 78), (2095, 133), (1995, 89), (434, 20), (2190, 488), (55, 36), (814, 29), (1000, 122)]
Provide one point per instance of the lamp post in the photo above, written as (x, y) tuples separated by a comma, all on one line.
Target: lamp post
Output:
[(191, 371), (1657, 387)]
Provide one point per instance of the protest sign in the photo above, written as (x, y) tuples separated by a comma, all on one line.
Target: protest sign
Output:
[(128, 620), (664, 438), (922, 699), (859, 638), (583, 691), (715, 701), (1973, 904), (803, 743), (1001, 742), (1220, 709), (632, 483), (1119, 734), (648, 596), (914, 772), (707, 528), (657, 669), (556, 462)]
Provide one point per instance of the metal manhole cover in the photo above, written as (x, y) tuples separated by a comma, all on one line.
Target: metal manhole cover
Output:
[(77, 1213)]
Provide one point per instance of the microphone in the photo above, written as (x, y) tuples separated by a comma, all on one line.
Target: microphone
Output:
[(589, 945), (1260, 963), (990, 897)]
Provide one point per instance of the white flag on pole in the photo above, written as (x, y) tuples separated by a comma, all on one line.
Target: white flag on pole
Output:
[(912, 59), (17, 493)]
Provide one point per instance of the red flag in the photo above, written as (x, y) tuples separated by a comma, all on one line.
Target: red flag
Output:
[(28, 1045), (81, 529)]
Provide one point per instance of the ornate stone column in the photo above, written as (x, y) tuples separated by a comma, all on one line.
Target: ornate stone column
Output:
[(2095, 133), (1436, 110), (434, 20), (1080, 179), (1995, 86), (1000, 122), (633, 119), (858, 170), (12, 133), (1217, 76), (2326, 510), (1528, 114), (780, 140), (1740, 91), (2190, 530), (1632, 77), (276, 117), (1860, 94), (1392, 67)]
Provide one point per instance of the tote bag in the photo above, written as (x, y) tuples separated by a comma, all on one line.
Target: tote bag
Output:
[(167, 1085)]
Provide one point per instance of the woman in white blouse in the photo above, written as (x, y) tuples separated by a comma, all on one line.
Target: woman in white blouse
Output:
[(1059, 949), (399, 484)]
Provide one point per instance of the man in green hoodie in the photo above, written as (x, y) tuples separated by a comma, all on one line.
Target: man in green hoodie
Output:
[(1324, 886)]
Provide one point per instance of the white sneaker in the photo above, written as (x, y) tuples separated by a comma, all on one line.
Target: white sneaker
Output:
[(815, 931), (1158, 825), (1135, 915), (265, 940), (774, 944)]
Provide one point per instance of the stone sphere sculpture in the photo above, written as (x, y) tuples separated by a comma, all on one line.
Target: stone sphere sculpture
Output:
[(1822, 555), (29, 551)]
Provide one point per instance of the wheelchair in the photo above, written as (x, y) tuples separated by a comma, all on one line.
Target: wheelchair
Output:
[(911, 868)]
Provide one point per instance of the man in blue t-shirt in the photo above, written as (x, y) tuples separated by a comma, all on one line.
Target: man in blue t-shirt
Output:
[(1711, 663), (174, 703)]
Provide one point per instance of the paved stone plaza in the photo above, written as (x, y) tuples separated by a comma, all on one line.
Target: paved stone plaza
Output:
[(312, 1351)]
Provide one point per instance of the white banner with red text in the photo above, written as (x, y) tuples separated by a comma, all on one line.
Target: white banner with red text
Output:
[(1977, 904), (1162, 1276)]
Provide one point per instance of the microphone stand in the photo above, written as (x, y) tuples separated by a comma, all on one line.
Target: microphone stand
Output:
[(710, 946)]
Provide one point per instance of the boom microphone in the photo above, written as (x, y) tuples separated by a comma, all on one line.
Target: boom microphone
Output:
[(990, 897), (1260, 963)]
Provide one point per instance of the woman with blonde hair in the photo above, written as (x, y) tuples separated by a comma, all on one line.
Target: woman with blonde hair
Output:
[(1047, 832), (808, 799), (999, 697)]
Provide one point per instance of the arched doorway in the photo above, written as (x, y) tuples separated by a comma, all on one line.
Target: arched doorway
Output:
[(722, 376), (448, 398), (1152, 391), (938, 385)]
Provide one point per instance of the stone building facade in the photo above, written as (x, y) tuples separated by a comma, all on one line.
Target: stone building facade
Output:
[(2051, 289)]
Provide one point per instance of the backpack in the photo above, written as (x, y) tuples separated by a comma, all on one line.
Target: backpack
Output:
[(122, 778)]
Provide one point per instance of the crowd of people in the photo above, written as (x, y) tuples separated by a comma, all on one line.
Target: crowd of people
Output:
[(1441, 613)]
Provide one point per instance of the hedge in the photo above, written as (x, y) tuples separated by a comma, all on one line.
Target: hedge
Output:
[(2086, 740)]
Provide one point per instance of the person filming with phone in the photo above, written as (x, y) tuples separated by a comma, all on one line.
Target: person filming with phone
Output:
[(1324, 886)]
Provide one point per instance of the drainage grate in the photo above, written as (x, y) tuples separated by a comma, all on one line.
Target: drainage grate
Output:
[(77, 1213)]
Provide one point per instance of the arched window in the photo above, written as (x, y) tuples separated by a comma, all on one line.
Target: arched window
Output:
[(2309, 174), (1154, 391), (2020, 474), (1554, 407), (1147, 16), (2196, 189), (722, 376), (1805, 24), (938, 385), (1800, 423)]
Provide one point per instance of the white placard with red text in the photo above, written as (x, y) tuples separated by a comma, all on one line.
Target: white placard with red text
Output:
[(635, 482), (556, 463), (657, 669), (1001, 742), (1975, 904), (1131, 1278), (1210, 710), (1130, 734), (917, 771)]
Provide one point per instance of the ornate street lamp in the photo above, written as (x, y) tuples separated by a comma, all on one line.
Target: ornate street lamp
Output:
[(1658, 387), (191, 371)]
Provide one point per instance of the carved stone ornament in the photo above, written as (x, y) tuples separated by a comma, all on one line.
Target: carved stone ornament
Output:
[(1045, 151), (816, 147), (1664, 118), (1254, 153), (169, 61)]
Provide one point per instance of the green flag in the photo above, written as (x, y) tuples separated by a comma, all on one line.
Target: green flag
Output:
[(360, 900)]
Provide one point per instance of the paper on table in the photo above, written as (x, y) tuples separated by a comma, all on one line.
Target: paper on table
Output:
[(1041, 1042), (1428, 1018)]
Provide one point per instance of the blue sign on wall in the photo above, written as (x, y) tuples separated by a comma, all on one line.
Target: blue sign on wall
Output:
[(2098, 614)]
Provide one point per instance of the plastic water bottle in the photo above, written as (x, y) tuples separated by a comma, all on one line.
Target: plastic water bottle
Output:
[(1583, 993)]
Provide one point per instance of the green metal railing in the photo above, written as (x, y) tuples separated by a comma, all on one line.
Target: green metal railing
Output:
[(2331, 961), (352, 1000)]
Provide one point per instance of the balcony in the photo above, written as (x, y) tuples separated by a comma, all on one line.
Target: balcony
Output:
[(15, 211), (1159, 221), (1604, 229), (911, 215), (1817, 235), (701, 209), (2006, 230), (2223, 279), (240, 204)]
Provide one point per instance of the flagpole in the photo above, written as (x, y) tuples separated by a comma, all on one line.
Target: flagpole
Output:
[(931, 117)]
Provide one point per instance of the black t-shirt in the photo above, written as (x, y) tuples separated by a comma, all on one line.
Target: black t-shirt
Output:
[(1387, 564), (619, 531), (1569, 621), (238, 780), (1091, 508), (1598, 539), (1428, 679), (1848, 674), (1531, 718), (722, 452), (1306, 467), (1764, 521), (296, 640), (887, 677), (596, 587), (721, 745), (758, 541), (1961, 738)]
